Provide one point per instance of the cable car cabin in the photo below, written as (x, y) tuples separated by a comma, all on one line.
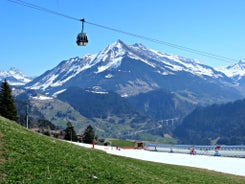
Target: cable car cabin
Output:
[(82, 39)]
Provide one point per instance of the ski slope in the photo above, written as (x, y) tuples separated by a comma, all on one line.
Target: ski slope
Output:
[(228, 165)]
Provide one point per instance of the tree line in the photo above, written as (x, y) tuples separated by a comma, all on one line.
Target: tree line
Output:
[(7, 105)]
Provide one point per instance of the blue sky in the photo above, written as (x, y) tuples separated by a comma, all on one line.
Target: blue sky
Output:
[(35, 41)]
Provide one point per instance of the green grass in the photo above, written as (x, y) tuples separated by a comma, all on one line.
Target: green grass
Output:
[(120, 143), (130, 143), (27, 157)]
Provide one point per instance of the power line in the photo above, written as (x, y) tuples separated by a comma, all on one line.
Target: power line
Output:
[(33, 6), (203, 53), (198, 52)]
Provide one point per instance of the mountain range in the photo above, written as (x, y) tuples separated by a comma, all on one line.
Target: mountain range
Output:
[(236, 72), (15, 77), (149, 87), (132, 69)]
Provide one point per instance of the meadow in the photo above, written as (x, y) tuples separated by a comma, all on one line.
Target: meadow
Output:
[(29, 157)]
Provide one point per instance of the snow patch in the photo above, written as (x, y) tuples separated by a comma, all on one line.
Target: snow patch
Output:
[(228, 165), (125, 95), (97, 92), (108, 76), (42, 97), (58, 92), (112, 64)]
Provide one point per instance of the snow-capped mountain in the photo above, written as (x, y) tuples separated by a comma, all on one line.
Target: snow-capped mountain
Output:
[(235, 71), (14, 77), (61, 74), (133, 69)]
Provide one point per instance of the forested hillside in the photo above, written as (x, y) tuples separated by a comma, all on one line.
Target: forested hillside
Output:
[(162, 104), (113, 115), (96, 104), (221, 124)]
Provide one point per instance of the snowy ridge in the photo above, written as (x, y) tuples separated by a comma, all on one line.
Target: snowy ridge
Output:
[(109, 60), (174, 62), (14, 77), (42, 97), (65, 71), (110, 57), (236, 70)]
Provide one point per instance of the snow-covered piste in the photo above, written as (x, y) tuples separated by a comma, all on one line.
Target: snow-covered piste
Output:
[(228, 165)]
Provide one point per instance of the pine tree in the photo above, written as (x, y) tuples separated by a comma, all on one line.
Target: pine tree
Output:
[(7, 106), (70, 133), (89, 135)]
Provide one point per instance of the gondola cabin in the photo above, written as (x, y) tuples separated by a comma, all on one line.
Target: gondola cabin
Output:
[(82, 39)]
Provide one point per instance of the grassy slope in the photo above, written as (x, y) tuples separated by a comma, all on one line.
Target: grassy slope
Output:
[(26, 157), (57, 111)]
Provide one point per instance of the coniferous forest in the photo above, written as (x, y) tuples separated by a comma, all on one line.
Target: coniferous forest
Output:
[(7, 105), (220, 124)]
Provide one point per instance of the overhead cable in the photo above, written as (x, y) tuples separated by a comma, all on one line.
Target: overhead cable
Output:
[(33, 6), (203, 53), (198, 52)]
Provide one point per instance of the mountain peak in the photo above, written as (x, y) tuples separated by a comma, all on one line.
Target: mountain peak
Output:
[(15, 71), (236, 70), (110, 56), (242, 63), (119, 45), (127, 69), (14, 77), (139, 45)]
